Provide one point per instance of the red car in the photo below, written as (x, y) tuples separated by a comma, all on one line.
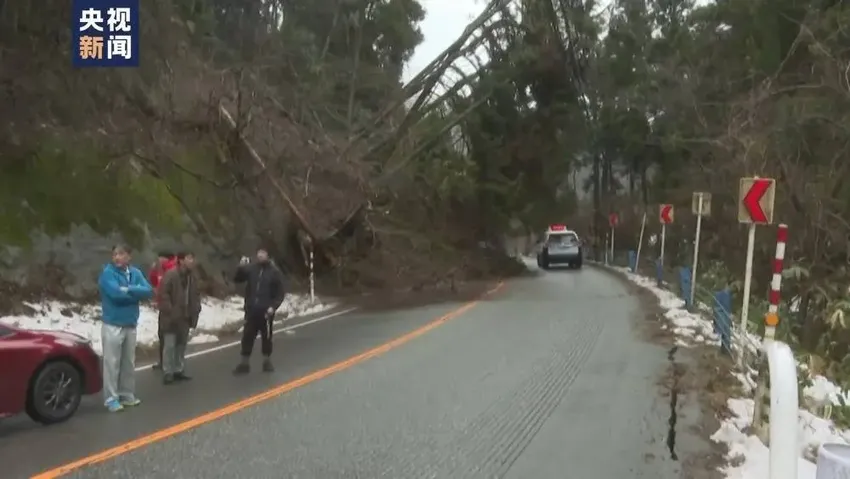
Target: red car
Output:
[(45, 373)]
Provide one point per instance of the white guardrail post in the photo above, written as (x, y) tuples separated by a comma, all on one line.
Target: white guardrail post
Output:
[(784, 408)]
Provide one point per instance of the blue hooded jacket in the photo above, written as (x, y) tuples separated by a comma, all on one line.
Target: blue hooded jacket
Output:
[(121, 307)]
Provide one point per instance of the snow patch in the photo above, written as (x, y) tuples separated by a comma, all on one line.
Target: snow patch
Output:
[(689, 328), (747, 451), (203, 339), (824, 392), (753, 457), (216, 314)]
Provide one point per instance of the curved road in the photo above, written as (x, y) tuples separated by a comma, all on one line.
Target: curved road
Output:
[(544, 378)]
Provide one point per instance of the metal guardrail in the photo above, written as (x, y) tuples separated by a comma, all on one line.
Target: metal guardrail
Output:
[(705, 303)]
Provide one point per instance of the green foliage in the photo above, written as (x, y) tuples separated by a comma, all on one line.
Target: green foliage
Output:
[(840, 415), (325, 46), (56, 186)]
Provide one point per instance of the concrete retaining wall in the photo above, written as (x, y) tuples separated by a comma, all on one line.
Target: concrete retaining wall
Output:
[(80, 255)]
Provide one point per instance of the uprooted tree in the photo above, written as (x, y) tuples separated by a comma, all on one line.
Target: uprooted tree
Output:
[(287, 121)]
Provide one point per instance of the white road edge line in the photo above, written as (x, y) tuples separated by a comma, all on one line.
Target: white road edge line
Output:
[(284, 329)]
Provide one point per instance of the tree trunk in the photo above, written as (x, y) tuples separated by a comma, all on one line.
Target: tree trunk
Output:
[(597, 207)]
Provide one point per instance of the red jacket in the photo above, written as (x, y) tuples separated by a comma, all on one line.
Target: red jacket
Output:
[(158, 271)]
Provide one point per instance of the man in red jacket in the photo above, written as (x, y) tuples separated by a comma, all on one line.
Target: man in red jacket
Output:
[(166, 261)]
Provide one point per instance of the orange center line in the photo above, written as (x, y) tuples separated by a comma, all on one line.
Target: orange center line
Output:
[(240, 405)]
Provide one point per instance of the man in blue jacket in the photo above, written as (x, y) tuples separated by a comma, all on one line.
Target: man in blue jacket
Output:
[(122, 287)]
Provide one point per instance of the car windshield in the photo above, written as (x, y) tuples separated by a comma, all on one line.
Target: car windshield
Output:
[(563, 239)]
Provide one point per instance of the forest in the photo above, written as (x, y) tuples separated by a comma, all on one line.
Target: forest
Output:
[(290, 122)]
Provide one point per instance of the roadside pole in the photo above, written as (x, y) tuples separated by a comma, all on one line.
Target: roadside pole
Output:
[(613, 220), (772, 318), (748, 276), (755, 207), (661, 256), (640, 242), (666, 213), (699, 207), (312, 278), (612, 245), (607, 239)]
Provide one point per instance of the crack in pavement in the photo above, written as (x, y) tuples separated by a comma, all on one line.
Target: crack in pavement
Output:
[(674, 400)]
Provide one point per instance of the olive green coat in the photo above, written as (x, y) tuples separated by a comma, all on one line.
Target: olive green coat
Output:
[(179, 301)]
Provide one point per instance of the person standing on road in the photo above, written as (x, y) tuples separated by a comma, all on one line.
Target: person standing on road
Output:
[(264, 293), (179, 308), (164, 263), (122, 286)]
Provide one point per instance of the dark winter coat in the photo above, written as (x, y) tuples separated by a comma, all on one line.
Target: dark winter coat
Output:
[(179, 301), (264, 287)]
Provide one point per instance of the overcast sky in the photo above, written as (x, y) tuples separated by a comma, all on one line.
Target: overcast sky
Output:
[(444, 22)]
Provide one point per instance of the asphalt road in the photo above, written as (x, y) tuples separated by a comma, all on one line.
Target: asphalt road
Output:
[(544, 379)]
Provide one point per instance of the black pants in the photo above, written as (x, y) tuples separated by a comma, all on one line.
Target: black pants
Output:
[(161, 343), (257, 323)]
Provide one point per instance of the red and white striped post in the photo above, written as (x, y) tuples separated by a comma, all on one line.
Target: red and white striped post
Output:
[(771, 320)]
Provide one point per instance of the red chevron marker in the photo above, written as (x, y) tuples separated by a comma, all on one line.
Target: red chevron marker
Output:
[(752, 200), (665, 214)]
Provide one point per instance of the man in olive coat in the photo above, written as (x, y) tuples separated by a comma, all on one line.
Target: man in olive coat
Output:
[(179, 309)]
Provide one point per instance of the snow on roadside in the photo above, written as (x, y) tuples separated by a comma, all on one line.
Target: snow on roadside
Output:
[(216, 314), (824, 392), (747, 451), (755, 455), (203, 338), (689, 328)]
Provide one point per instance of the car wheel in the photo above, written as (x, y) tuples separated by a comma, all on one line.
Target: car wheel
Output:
[(55, 393)]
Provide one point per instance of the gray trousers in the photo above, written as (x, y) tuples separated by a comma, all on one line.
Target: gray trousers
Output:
[(119, 362), (174, 352)]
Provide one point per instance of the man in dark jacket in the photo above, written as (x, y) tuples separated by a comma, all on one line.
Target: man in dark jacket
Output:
[(264, 293), (179, 302), (165, 262)]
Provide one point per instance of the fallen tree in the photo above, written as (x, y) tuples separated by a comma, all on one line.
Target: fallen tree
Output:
[(289, 124)]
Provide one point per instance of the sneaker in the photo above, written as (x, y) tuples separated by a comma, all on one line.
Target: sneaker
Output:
[(242, 369), (130, 402), (267, 366), (168, 379), (113, 405), (182, 377)]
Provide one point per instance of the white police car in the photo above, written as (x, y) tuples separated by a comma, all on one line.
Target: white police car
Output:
[(559, 246)]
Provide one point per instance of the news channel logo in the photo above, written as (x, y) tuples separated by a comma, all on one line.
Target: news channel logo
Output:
[(105, 33)]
